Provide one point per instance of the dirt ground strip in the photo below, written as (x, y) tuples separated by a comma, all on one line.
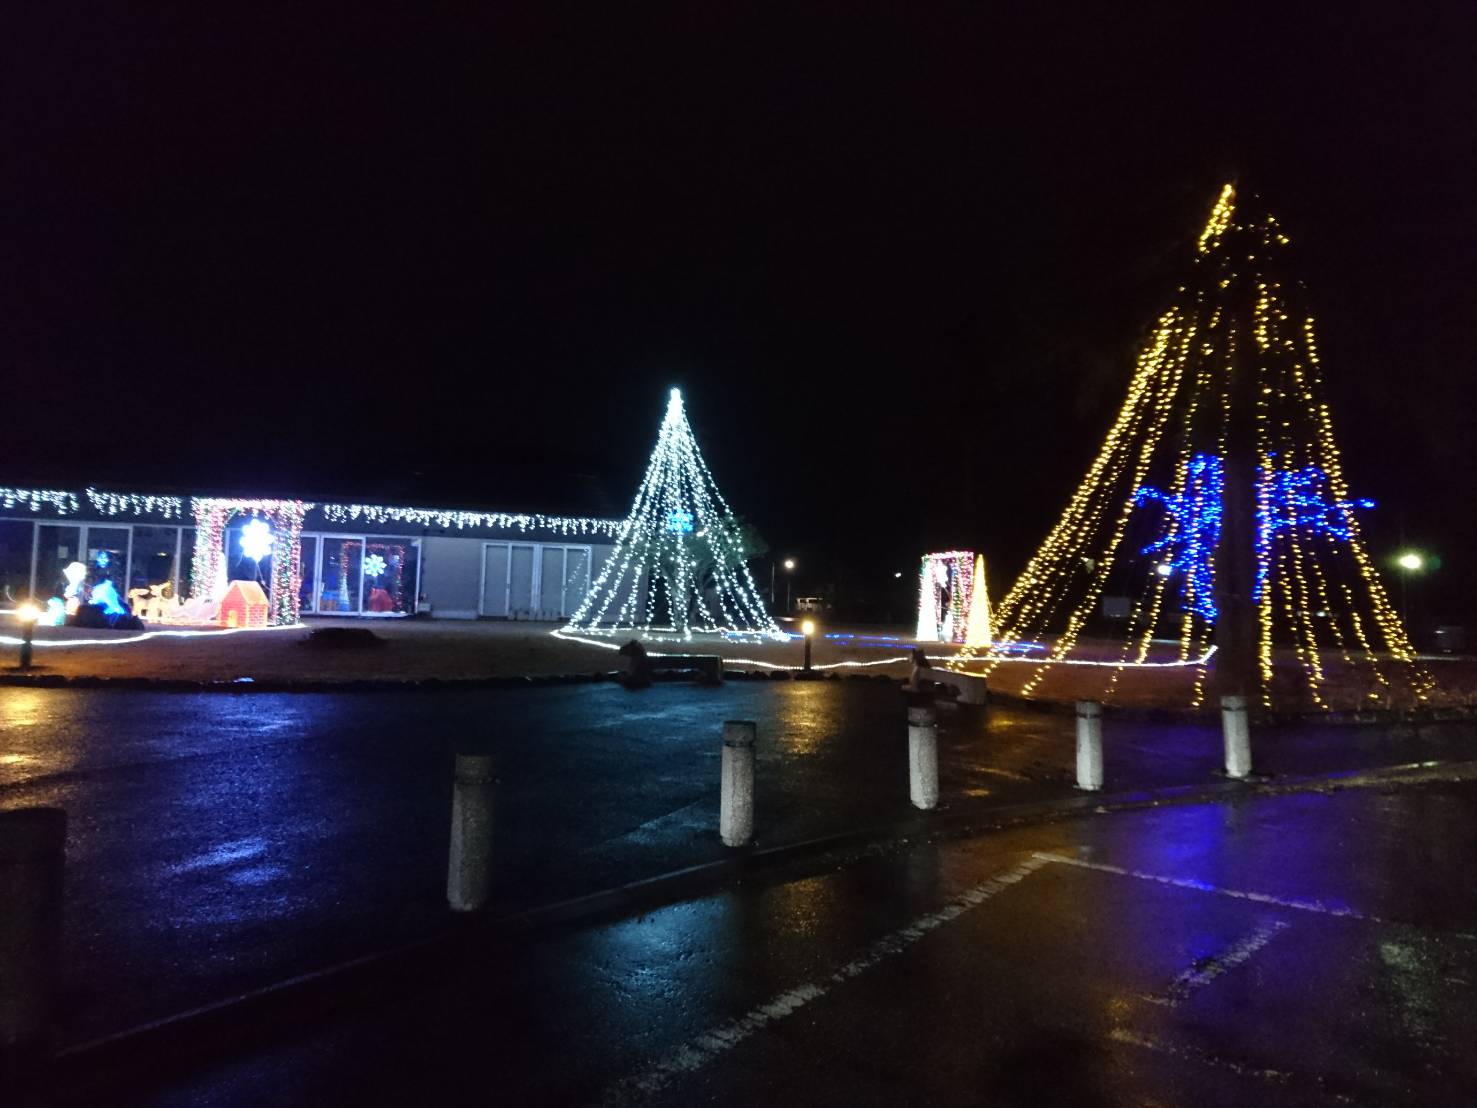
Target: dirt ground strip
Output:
[(417, 650), (406, 650)]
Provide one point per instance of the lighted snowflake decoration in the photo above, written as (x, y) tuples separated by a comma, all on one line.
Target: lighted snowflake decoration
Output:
[(374, 565), (256, 539)]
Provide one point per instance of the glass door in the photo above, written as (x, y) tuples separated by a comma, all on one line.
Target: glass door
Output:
[(339, 576), (389, 575), (58, 545), (153, 559), (107, 558), (17, 543), (308, 592)]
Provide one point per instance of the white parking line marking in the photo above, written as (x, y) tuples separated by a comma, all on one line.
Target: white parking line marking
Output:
[(1191, 1054), (698, 1052), (1206, 887), (995, 771), (1197, 977)]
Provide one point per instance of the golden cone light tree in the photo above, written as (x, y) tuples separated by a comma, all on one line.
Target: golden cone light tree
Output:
[(1216, 519)]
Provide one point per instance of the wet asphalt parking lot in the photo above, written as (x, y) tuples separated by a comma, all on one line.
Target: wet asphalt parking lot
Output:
[(219, 843), (1304, 949)]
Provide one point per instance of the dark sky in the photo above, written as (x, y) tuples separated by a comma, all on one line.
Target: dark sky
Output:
[(456, 257)]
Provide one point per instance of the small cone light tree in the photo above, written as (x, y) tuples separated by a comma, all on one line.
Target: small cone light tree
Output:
[(679, 563), (978, 633), (1216, 514)]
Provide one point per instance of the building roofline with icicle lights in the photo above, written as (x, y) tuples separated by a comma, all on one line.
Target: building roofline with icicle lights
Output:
[(172, 557)]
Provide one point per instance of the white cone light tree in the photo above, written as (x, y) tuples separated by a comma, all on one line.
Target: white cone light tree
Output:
[(679, 564)]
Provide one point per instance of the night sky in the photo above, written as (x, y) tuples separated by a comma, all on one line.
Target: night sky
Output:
[(898, 257)]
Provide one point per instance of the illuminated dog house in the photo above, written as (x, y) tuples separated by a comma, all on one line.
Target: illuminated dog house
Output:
[(953, 603), (244, 605)]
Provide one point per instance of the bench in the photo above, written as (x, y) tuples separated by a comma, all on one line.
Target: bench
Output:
[(641, 666), (971, 687), (709, 667)]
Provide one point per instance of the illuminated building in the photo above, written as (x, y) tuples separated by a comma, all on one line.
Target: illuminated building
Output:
[(675, 565), (338, 559)]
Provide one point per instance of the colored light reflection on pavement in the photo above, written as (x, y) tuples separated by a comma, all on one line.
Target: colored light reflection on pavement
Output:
[(1103, 960)]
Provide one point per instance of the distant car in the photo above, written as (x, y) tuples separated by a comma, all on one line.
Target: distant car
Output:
[(808, 604), (1451, 639)]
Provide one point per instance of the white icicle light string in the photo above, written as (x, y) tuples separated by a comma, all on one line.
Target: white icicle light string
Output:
[(462, 520), (1179, 663), (60, 501), (145, 636), (134, 503), (107, 504)]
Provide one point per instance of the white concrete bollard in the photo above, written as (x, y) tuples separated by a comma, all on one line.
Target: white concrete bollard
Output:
[(923, 757), (1089, 745), (736, 795), (469, 869), (32, 860), (1237, 729)]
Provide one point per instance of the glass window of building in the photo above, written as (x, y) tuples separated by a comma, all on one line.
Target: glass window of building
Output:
[(107, 558), (59, 545), (339, 588), (186, 561), (310, 572), (153, 560), (240, 565), (16, 537), (389, 575)]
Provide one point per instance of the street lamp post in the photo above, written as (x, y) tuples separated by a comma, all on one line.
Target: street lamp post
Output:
[(1409, 562), (807, 629), (28, 614), (789, 582)]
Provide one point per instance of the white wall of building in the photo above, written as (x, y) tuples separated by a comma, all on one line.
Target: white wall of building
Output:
[(472, 578)]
